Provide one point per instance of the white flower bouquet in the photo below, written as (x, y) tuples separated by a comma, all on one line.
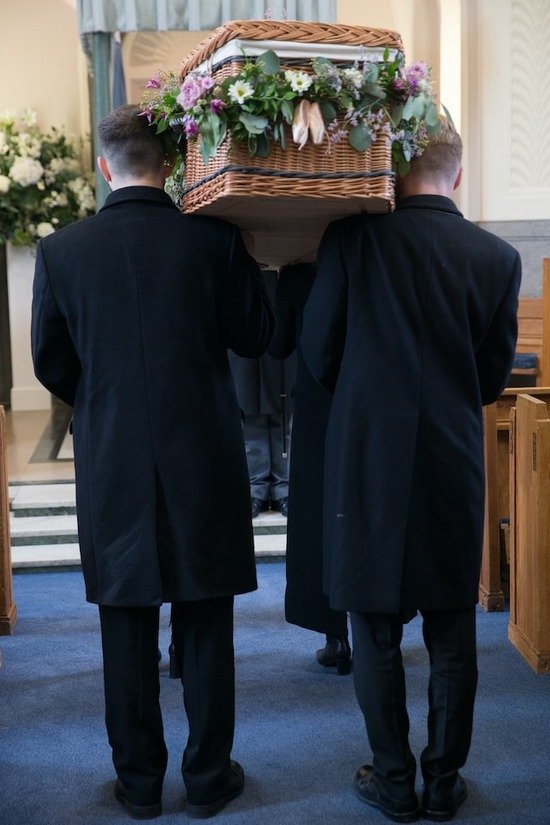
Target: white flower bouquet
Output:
[(42, 182)]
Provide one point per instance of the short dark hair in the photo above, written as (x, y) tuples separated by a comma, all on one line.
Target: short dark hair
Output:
[(130, 145), (442, 157)]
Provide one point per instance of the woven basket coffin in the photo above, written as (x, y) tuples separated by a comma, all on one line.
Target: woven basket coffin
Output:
[(285, 201)]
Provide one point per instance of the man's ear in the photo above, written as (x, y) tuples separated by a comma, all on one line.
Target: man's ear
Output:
[(458, 179), (104, 168)]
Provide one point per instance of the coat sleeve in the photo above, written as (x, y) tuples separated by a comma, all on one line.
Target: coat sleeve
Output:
[(324, 321), (56, 363), (246, 316), (495, 356)]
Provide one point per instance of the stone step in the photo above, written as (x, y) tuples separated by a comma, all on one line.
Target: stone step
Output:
[(68, 555), (44, 529), (45, 555), (26, 497)]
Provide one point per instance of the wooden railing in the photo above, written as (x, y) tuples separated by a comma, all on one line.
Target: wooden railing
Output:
[(8, 611)]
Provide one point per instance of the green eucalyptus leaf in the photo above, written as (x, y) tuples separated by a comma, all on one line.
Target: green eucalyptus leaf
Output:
[(207, 150), (375, 91), (370, 73), (447, 114), (409, 108), (252, 143), (287, 110), (263, 146), (396, 113), (431, 117), (253, 124), (328, 111), (360, 138), (269, 62)]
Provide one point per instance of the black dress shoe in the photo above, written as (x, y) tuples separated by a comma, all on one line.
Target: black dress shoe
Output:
[(336, 653), (369, 791), (443, 808), (233, 789), (258, 506), (281, 505), (136, 811)]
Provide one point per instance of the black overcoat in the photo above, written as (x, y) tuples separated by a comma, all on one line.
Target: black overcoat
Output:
[(133, 312), (412, 323), (305, 602)]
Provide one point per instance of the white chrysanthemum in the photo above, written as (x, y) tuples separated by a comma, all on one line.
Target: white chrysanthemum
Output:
[(240, 91), (28, 145), (44, 228), (26, 171), (4, 183), (4, 144), (299, 81)]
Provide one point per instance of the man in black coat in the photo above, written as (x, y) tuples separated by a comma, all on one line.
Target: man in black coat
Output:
[(411, 323), (134, 310)]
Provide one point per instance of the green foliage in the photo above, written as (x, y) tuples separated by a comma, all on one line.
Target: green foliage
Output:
[(358, 103)]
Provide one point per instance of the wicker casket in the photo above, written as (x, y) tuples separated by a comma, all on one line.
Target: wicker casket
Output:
[(286, 200)]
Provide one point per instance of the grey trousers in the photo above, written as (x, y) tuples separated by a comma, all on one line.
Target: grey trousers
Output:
[(267, 468)]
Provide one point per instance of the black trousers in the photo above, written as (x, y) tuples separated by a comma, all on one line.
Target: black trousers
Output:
[(450, 638), (203, 633)]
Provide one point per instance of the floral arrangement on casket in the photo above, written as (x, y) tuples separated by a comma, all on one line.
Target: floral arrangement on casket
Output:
[(326, 103), (42, 183)]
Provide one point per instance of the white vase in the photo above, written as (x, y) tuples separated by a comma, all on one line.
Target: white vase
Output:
[(26, 393)]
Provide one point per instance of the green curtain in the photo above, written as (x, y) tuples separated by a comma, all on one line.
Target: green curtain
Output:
[(192, 15)]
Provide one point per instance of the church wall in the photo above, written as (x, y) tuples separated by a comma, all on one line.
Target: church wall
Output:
[(42, 64)]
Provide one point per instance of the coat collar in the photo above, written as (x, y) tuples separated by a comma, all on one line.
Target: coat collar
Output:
[(438, 202), (138, 193)]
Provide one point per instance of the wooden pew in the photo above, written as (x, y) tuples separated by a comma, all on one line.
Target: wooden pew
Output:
[(497, 489), (529, 625), (8, 611), (533, 336)]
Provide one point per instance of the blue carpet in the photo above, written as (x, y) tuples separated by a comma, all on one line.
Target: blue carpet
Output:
[(299, 733)]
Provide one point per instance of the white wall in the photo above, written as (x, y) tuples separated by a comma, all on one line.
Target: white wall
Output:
[(42, 64)]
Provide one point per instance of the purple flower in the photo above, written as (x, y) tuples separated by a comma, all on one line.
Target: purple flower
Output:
[(191, 92), (148, 113), (206, 82), (154, 83), (190, 126), (216, 105), (417, 71)]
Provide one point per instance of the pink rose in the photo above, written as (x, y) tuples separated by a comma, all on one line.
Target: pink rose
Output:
[(191, 92)]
